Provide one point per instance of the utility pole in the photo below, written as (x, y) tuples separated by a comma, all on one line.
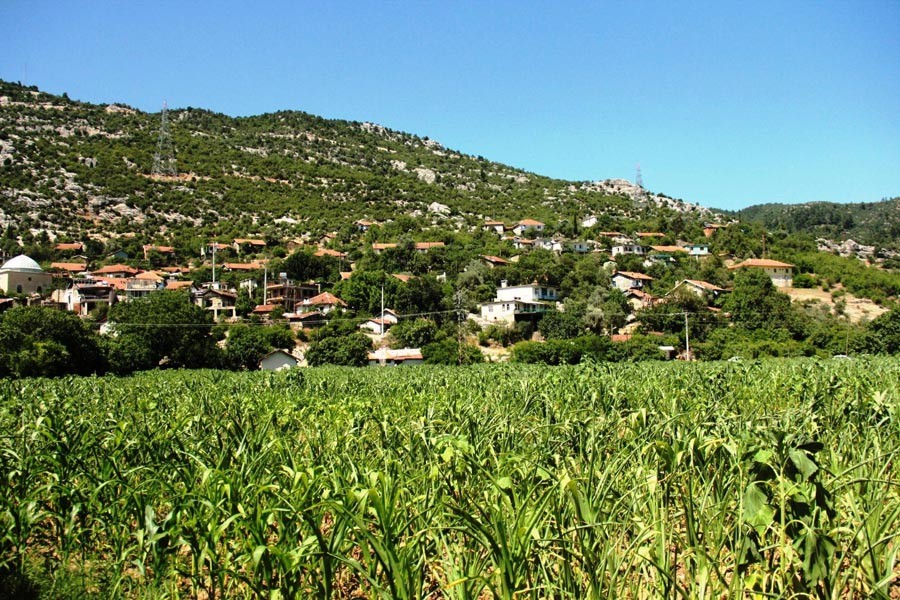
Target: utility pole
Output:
[(687, 338), (214, 264), (265, 283), (381, 318), (459, 328)]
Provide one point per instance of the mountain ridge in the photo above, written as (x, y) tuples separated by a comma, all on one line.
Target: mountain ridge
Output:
[(73, 169)]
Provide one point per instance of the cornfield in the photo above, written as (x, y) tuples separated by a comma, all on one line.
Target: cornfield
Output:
[(755, 479)]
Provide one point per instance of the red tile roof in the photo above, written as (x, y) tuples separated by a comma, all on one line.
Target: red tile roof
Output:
[(69, 247), (115, 269), (325, 299), (762, 263), (70, 267), (633, 275)]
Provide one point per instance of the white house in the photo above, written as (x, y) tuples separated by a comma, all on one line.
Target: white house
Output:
[(278, 360), (703, 289), (531, 292), (781, 273), (526, 225), (625, 280), (393, 358), (627, 249), (520, 301), (506, 311), (697, 249)]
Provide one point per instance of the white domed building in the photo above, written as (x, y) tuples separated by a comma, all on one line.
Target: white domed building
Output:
[(21, 275)]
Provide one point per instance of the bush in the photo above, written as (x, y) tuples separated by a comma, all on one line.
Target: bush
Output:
[(502, 334), (450, 352)]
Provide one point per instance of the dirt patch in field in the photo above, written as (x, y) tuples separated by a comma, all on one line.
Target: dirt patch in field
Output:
[(857, 309)]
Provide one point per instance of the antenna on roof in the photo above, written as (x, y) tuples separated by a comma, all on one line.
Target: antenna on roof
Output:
[(164, 159)]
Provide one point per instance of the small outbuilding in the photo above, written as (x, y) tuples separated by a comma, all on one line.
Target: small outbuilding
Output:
[(277, 360)]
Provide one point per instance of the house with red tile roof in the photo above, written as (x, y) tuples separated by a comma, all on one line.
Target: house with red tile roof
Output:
[(781, 273), (625, 280)]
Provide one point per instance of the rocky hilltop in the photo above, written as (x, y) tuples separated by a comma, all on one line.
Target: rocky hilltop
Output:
[(71, 170)]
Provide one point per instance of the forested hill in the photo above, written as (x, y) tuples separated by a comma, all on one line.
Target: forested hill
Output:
[(874, 223), (69, 169)]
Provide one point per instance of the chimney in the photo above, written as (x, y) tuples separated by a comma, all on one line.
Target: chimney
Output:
[(503, 283)]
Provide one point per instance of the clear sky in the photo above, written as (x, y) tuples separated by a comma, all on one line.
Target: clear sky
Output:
[(722, 103)]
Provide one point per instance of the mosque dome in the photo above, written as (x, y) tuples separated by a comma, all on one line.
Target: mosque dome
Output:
[(21, 264)]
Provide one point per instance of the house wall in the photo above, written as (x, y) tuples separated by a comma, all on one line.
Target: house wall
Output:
[(12, 282), (624, 283), (277, 361)]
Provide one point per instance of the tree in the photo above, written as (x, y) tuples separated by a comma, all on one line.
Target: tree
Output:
[(884, 333), (755, 303), (175, 332), (246, 346), (556, 325), (414, 333), (450, 352), (349, 350), (36, 341)]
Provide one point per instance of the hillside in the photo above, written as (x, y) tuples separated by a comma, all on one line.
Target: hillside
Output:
[(870, 223), (72, 169)]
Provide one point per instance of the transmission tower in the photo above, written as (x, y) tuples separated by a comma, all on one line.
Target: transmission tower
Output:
[(641, 194), (164, 159)]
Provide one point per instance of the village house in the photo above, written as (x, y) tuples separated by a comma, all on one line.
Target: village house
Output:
[(781, 273), (248, 245), (117, 270), (494, 261), (138, 287), (626, 280), (288, 294), (639, 299), (697, 250), (702, 289), (393, 358), (528, 225), (519, 302), (164, 250), (219, 302), (306, 320), (628, 248), (84, 295), (324, 303), (68, 268), (382, 322), (497, 227), (277, 360), (69, 248)]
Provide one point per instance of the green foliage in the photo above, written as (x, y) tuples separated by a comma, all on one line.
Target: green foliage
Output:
[(450, 352), (755, 303), (502, 334), (248, 344), (563, 351), (555, 325), (162, 329), (348, 350), (884, 333), (413, 333), (728, 480), (867, 222), (44, 342)]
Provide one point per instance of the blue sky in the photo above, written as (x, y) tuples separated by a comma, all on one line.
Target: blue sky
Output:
[(723, 103)]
